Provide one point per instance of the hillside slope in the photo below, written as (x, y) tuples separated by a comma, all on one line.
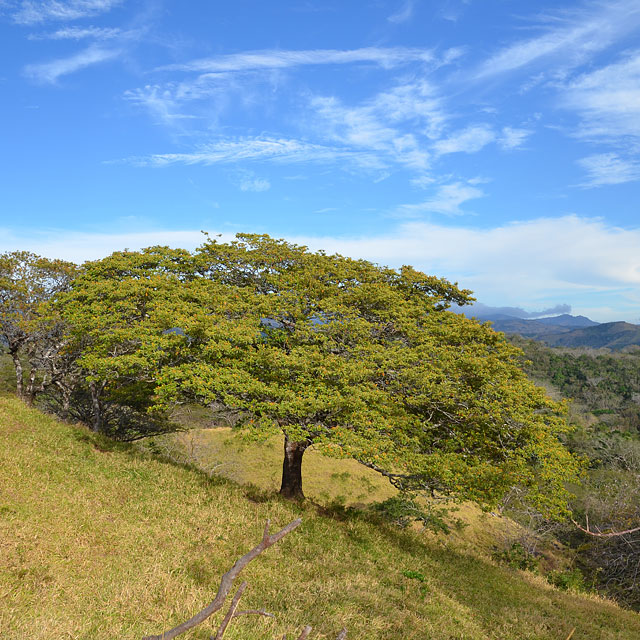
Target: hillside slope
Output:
[(102, 541)]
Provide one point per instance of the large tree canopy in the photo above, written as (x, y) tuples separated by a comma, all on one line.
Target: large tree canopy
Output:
[(360, 360)]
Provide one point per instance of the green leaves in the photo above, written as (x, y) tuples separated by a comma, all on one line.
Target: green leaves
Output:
[(364, 361)]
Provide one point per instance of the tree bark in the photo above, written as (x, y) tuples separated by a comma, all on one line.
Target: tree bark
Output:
[(65, 392), (291, 486), (19, 374), (96, 405)]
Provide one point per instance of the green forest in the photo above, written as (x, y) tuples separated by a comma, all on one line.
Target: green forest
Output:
[(354, 361)]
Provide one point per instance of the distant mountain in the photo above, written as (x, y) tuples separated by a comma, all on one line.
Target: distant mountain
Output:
[(566, 320), (526, 328), (570, 331)]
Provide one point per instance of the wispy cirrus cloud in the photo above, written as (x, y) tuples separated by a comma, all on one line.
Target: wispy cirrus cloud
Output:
[(404, 13), (608, 169), (468, 140), (513, 138), (570, 38), (30, 12), (447, 200), (173, 102), (394, 124), (475, 137), (607, 99), (387, 57), (283, 150), (50, 72), (80, 33), (249, 181)]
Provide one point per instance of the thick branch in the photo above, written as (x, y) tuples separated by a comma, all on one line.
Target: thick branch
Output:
[(227, 582)]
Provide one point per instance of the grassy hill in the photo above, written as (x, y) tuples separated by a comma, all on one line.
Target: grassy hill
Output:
[(102, 541)]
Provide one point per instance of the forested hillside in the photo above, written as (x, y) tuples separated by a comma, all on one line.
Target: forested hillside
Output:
[(604, 392)]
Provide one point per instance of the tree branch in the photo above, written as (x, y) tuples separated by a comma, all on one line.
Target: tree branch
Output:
[(227, 582), (598, 534)]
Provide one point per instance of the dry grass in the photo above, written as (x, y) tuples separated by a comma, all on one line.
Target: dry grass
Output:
[(102, 541), (327, 481), (226, 453)]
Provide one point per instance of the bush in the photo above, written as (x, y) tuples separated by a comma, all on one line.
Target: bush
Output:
[(568, 580), (517, 557)]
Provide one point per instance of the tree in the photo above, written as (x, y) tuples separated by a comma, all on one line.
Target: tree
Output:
[(115, 312), (358, 360), (29, 327)]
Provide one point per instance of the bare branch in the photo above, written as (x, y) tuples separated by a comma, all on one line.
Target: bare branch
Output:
[(305, 633), (598, 534), (227, 582), (231, 613), (342, 635)]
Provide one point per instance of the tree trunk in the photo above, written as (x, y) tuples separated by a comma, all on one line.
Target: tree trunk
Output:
[(30, 393), (66, 401), (292, 469), (96, 405), (19, 374)]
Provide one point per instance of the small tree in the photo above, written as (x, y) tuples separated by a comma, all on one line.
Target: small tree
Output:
[(117, 313), (29, 327)]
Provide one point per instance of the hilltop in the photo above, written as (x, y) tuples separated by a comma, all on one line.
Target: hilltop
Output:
[(102, 540)]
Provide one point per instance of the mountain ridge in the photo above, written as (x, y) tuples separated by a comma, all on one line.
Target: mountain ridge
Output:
[(566, 330)]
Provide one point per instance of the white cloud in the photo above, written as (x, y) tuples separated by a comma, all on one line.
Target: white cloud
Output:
[(609, 168), (512, 138), (587, 263), (79, 33), (163, 103), (32, 12), (404, 13), (386, 57), (539, 262), (49, 72), (447, 200), (571, 39), (422, 182), (469, 140), (608, 99), (259, 149), (251, 182), (79, 246), (391, 124)]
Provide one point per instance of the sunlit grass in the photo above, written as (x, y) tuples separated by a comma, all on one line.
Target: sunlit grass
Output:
[(226, 453), (102, 541)]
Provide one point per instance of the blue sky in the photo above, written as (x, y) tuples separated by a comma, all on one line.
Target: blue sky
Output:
[(492, 142)]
